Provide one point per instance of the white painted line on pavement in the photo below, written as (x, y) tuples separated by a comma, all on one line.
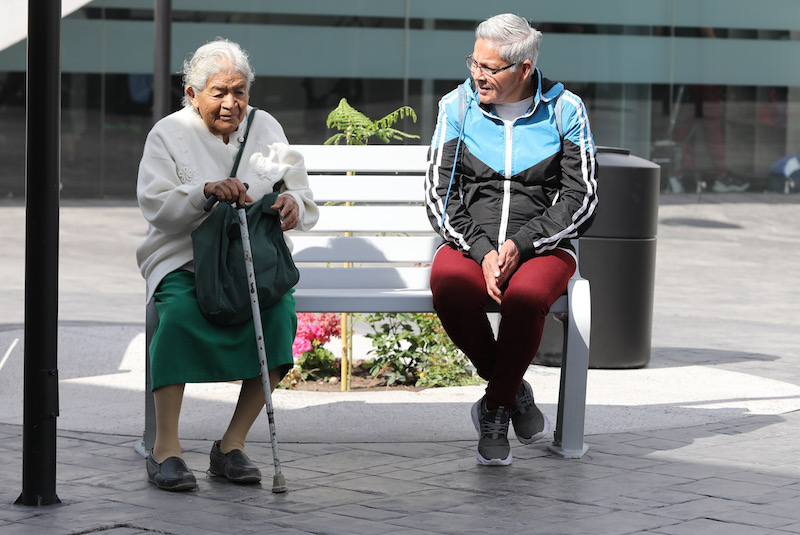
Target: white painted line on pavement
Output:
[(8, 353)]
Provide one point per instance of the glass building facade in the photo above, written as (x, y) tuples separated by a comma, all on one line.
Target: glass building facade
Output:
[(709, 89)]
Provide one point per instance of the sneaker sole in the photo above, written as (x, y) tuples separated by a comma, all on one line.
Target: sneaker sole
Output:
[(493, 462), (731, 188), (538, 436)]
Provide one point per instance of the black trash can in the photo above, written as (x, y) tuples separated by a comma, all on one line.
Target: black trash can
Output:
[(618, 256)]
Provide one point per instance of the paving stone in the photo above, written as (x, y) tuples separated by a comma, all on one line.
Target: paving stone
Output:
[(713, 527), (746, 517), (733, 475), (614, 523), (703, 507), (736, 490)]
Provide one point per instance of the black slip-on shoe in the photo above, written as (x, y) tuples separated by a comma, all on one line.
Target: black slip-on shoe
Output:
[(234, 465), (172, 474)]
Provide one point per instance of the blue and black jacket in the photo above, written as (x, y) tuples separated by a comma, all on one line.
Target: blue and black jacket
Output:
[(518, 180)]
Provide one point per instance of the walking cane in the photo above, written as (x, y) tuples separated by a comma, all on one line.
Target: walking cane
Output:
[(278, 481)]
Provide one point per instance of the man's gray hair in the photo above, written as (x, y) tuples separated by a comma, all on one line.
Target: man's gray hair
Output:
[(513, 37), (213, 58)]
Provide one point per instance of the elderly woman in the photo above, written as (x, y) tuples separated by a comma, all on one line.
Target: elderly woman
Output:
[(511, 178), (187, 158)]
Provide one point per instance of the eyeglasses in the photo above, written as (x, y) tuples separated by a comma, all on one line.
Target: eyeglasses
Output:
[(472, 64)]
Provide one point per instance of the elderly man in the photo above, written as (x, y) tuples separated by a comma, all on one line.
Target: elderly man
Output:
[(511, 178)]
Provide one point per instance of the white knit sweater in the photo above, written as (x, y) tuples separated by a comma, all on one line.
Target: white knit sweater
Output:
[(180, 156)]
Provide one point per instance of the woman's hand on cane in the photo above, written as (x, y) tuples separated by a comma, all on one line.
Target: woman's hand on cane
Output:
[(230, 190)]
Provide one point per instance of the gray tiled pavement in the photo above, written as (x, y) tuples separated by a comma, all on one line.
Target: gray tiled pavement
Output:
[(726, 311)]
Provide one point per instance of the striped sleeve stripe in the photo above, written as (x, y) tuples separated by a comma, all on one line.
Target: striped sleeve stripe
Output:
[(435, 201), (588, 173)]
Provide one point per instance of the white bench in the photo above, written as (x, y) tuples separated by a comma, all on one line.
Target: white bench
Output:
[(389, 248)]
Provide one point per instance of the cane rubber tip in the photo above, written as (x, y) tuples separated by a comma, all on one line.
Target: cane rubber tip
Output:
[(279, 484)]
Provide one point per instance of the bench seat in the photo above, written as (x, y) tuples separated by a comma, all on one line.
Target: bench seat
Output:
[(371, 252)]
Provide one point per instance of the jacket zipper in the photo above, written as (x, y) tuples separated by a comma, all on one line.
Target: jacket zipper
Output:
[(509, 146)]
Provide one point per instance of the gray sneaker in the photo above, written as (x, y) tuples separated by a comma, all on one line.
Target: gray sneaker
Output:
[(529, 423), (492, 427)]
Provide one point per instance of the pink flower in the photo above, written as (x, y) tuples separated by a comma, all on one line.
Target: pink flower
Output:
[(314, 330), (300, 346)]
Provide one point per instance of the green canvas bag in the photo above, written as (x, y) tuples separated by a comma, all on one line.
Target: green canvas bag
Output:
[(220, 272)]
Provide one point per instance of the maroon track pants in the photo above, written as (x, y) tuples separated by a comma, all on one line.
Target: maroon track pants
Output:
[(459, 297)]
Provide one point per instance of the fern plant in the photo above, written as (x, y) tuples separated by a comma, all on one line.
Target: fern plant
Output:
[(356, 128)]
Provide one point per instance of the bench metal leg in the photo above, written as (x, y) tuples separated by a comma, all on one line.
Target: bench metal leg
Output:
[(568, 437), (149, 436)]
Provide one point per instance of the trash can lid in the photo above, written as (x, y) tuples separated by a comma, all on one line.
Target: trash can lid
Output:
[(613, 150), (628, 188), (619, 158)]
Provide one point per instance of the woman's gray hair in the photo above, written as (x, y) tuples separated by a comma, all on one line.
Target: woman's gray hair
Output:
[(213, 58), (515, 39)]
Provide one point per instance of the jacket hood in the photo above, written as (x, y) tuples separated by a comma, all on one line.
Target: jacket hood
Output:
[(548, 89)]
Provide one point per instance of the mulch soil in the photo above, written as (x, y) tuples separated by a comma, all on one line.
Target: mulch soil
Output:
[(360, 380)]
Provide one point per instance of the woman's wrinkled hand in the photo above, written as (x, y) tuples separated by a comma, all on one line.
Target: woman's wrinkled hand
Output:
[(288, 210), (230, 190)]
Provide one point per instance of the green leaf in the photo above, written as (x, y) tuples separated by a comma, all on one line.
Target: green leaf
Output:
[(356, 128)]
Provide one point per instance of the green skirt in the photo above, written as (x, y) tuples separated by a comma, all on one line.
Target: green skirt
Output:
[(187, 348)]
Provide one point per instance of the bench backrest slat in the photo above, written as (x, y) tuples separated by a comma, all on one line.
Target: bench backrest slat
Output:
[(375, 219), (390, 278), (366, 158), (406, 249), (367, 188)]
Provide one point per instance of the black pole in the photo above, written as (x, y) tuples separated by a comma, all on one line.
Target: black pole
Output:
[(42, 181), (162, 47)]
